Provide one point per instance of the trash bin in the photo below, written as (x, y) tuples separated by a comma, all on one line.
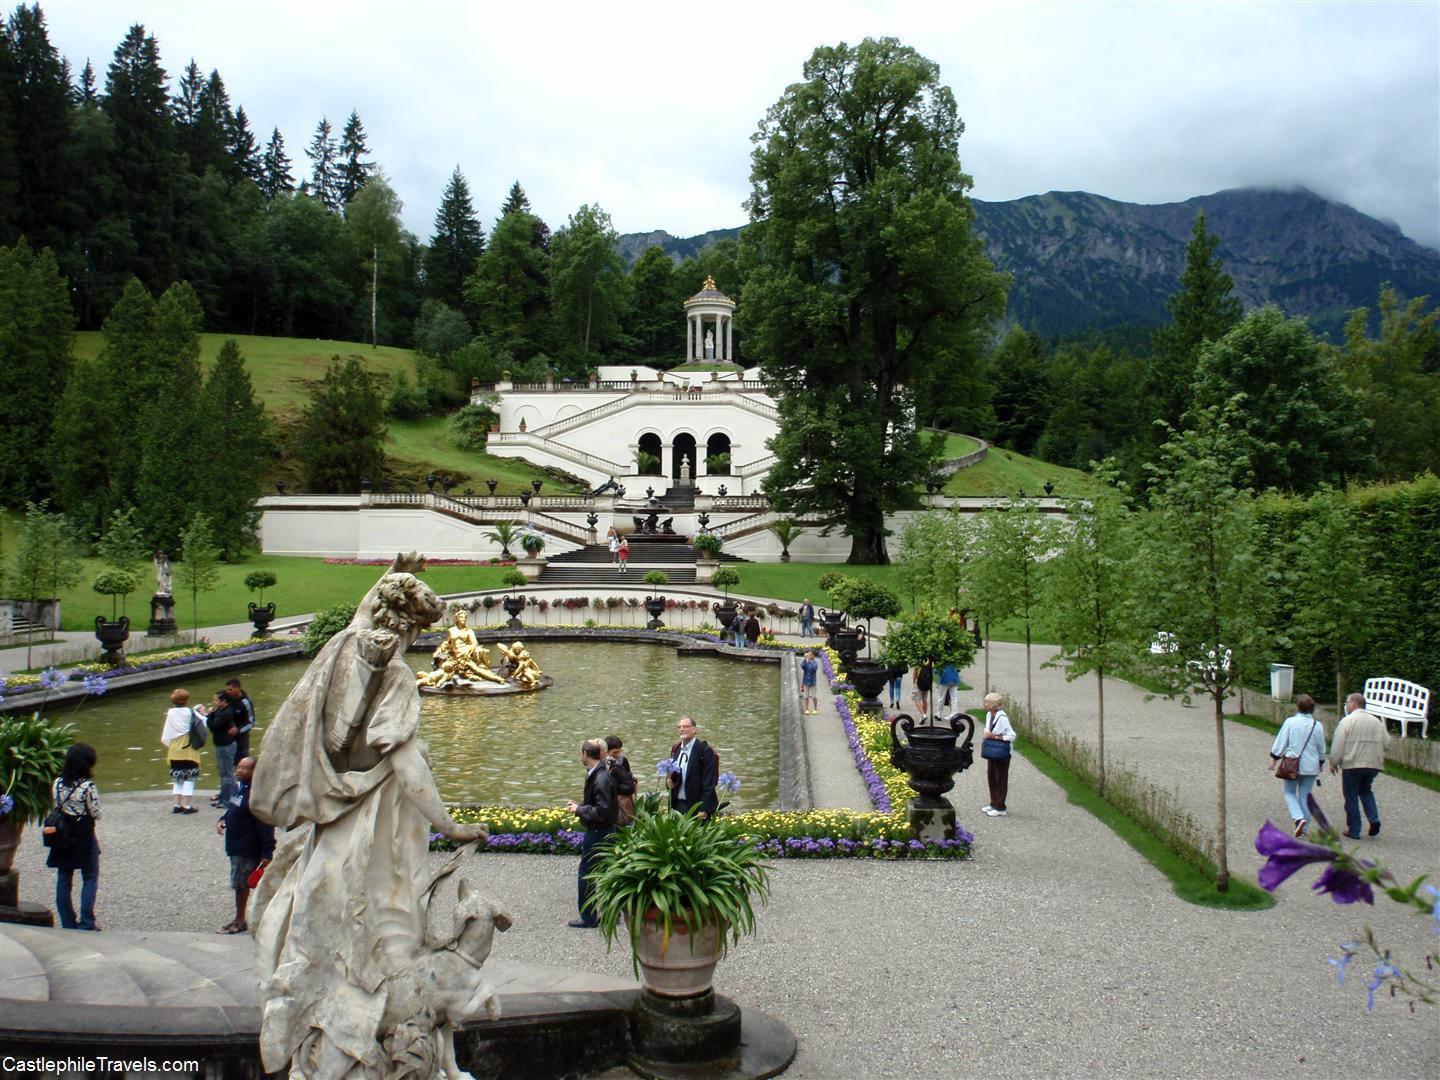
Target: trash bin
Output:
[(1282, 681)]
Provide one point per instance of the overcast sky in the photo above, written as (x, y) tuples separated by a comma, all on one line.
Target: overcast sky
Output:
[(647, 109)]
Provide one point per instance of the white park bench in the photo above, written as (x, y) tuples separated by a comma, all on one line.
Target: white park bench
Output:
[(1396, 699)]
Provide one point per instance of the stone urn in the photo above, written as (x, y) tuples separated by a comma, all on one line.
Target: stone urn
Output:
[(848, 641), (112, 637), (513, 605), (830, 621), (930, 757), (10, 829), (725, 613), (655, 605), (869, 678), (262, 617)]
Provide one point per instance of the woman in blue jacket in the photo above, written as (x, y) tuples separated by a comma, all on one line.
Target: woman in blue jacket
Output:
[(1303, 737)]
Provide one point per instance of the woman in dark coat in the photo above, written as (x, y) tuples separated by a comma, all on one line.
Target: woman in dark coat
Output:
[(75, 794), (752, 629)]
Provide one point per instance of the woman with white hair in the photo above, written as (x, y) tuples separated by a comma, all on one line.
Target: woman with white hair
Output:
[(995, 749)]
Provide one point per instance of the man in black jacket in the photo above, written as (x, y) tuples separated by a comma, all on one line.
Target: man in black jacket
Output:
[(222, 719), (597, 813), (694, 774), (249, 843)]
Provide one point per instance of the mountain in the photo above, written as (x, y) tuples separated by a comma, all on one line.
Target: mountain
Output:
[(1082, 261)]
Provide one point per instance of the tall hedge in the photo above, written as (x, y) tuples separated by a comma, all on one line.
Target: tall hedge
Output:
[(1402, 610)]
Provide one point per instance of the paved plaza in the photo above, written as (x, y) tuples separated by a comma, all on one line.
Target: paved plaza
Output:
[(1057, 951)]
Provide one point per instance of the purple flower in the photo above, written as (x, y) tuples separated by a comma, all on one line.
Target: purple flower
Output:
[(6, 805), (51, 679), (1344, 886), (1383, 970), (728, 781), (1316, 814), (1435, 893), (1347, 953), (1286, 855), (95, 685), (664, 767)]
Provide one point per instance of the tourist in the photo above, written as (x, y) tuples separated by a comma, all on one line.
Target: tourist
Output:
[(1358, 752), (225, 734), (74, 794), (246, 720), (923, 681), (737, 629), (950, 684), (622, 555), (694, 774), (1303, 737), (807, 618), (598, 813), (181, 754), (752, 629), (613, 541), (620, 772), (897, 677), (809, 698), (249, 843), (997, 726)]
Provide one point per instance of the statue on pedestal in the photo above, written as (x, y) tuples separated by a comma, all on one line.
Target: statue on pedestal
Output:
[(164, 574), (354, 982)]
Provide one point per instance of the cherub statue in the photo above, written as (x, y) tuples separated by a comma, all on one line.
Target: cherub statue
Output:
[(523, 671)]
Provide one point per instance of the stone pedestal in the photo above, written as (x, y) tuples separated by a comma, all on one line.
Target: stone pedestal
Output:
[(531, 568), (930, 822), (15, 910), (685, 1031), (162, 616), (705, 570)]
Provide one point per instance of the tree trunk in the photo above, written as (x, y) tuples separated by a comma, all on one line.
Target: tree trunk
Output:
[(987, 662), (1100, 726), (1029, 699), (1222, 878), (589, 312), (1339, 688), (374, 294)]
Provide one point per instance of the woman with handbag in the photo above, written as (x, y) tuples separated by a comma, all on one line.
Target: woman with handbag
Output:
[(182, 736), (69, 833), (995, 749), (1297, 757)]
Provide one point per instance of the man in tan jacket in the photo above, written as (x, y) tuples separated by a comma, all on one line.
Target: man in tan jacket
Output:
[(1358, 751)]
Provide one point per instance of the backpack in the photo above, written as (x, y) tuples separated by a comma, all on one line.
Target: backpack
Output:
[(60, 830), (199, 730)]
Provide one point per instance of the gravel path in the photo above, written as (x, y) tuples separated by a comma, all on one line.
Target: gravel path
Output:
[(1057, 951)]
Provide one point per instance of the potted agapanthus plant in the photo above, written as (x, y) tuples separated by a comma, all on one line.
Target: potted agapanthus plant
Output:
[(32, 750), (684, 887)]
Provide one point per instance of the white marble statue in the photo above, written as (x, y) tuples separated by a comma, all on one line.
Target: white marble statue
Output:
[(164, 575), (709, 344), (341, 914)]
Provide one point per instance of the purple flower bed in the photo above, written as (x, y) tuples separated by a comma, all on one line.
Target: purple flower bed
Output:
[(804, 847), (157, 665), (879, 796), (564, 842)]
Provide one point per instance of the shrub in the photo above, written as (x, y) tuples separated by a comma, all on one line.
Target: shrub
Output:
[(113, 582), (325, 625), (32, 750), (513, 578), (707, 545), (471, 425), (726, 579), (261, 580), (657, 577), (533, 543)]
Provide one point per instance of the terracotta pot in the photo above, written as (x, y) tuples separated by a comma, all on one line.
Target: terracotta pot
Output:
[(682, 967), (10, 829)]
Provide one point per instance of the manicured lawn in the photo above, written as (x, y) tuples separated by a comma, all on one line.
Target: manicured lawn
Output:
[(305, 585), (958, 446), (1004, 472), (282, 369), (428, 444)]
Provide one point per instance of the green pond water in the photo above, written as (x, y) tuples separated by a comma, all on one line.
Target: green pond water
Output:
[(517, 750)]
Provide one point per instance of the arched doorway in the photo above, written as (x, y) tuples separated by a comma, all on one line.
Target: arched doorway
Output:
[(684, 450), (717, 455), (649, 448)]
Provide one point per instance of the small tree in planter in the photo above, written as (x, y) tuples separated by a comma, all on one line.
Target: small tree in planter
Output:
[(114, 583), (926, 640), (504, 534), (725, 579), (657, 577), (513, 579), (261, 613), (787, 532), (259, 581), (866, 599)]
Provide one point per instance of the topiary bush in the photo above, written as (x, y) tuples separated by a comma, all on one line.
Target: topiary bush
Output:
[(325, 625)]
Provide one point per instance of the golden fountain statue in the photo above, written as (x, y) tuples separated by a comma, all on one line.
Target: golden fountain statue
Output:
[(462, 665)]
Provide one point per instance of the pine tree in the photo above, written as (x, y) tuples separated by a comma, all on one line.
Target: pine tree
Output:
[(275, 176), (42, 119), (91, 438), (458, 242), (516, 200), (354, 171), (36, 333), (323, 184), (145, 170), (233, 422), (9, 136), (171, 476), (511, 288), (212, 130), (1203, 310), (240, 144), (649, 320), (86, 94), (342, 435), (187, 100)]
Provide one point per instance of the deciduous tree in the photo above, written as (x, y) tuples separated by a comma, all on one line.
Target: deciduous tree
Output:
[(587, 279), (865, 272), (199, 567)]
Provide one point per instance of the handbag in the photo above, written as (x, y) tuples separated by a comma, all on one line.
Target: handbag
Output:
[(59, 830), (1288, 767), (198, 730), (995, 749)]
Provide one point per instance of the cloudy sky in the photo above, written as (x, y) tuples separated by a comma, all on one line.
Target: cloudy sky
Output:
[(648, 109)]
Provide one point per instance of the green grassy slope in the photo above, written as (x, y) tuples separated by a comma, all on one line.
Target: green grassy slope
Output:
[(1004, 472)]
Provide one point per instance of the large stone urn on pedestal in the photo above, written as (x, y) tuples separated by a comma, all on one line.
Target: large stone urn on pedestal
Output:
[(930, 757), (112, 637), (831, 621), (655, 605), (513, 605), (869, 678), (726, 613), (261, 617)]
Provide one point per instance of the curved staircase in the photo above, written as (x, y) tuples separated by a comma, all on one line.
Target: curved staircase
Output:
[(593, 564)]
